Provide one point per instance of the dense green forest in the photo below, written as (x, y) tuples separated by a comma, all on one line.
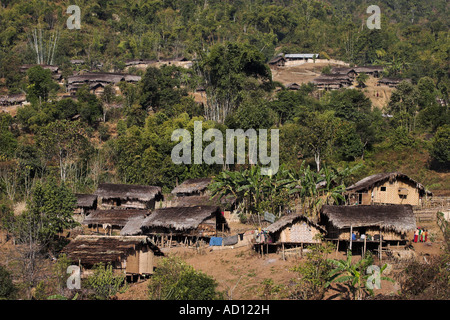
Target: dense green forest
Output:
[(59, 145), (230, 43)]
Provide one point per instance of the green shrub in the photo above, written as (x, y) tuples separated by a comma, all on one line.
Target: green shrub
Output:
[(176, 280)]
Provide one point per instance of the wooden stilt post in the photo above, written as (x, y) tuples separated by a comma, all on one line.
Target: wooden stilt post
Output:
[(364, 251), (337, 248), (381, 245)]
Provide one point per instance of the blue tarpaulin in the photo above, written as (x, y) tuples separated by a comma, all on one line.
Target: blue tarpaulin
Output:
[(215, 241)]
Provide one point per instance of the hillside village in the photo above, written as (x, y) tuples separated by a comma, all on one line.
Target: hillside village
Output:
[(89, 187)]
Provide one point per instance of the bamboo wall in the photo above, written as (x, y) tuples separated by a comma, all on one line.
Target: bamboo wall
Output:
[(344, 234), (391, 195), (300, 232)]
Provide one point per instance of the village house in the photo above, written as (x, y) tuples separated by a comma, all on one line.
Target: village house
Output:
[(192, 187), (55, 71), (349, 72), (112, 219), (13, 100), (86, 203), (179, 224), (127, 196), (373, 225), (194, 192), (391, 82), (291, 231), (139, 63), (278, 61), (387, 188), (374, 71), (294, 229), (332, 81), (97, 81), (293, 86), (133, 256)]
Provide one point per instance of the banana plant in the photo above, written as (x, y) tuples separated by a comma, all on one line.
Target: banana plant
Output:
[(354, 274)]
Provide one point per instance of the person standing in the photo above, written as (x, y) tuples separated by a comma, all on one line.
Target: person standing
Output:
[(416, 235)]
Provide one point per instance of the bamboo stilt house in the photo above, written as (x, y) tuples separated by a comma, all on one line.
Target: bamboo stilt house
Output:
[(192, 187), (196, 221), (294, 229), (124, 196), (133, 255), (113, 218), (86, 203), (393, 222), (387, 188)]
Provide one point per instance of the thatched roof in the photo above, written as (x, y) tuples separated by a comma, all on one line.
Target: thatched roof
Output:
[(276, 59), (290, 219), (180, 218), (86, 200), (90, 250), (393, 80), (114, 217), (102, 77), (52, 68), (293, 86), (133, 226), (380, 178), (368, 69), (127, 191), (13, 98), (342, 70), (399, 218), (192, 185)]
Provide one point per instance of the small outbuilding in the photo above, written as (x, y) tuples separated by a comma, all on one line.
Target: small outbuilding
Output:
[(86, 203), (126, 196), (294, 229), (132, 256), (192, 187)]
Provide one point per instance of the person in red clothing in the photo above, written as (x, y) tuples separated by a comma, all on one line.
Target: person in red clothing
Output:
[(416, 235)]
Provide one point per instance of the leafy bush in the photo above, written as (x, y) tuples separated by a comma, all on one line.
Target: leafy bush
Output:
[(104, 282), (176, 280)]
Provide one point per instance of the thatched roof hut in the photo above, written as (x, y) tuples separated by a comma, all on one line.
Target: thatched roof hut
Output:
[(192, 187), (394, 220), (113, 217), (278, 61), (391, 82), (379, 178), (203, 221), (86, 201), (127, 196), (131, 255), (391, 187), (370, 70), (293, 86), (346, 71), (294, 228), (12, 99)]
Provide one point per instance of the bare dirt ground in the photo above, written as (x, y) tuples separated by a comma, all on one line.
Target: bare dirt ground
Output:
[(240, 272), (379, 95)]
